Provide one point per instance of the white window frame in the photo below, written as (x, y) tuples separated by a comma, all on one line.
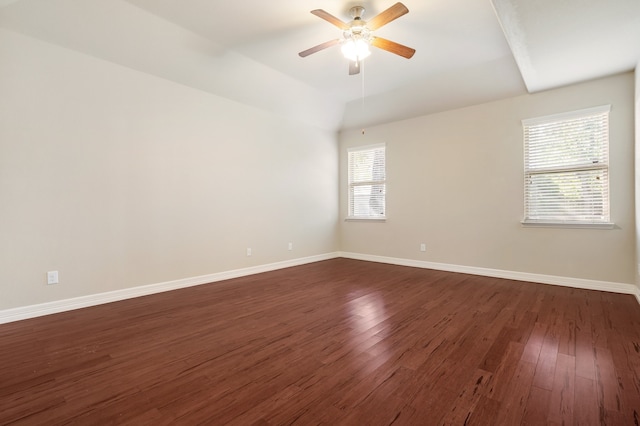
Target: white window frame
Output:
[(537, 132), (354, 183)]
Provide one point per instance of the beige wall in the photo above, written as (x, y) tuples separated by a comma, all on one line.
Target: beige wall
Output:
[(118, 179), (455, 183), (637, 173)]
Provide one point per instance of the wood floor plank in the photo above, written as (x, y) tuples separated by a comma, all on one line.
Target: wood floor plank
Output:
[(464, 404), (585, 355), (547, 360), (500, 384), (537, 407), (607, 384), (587, 411), (485, 412), (534, 343), (514, 402), (333, 342), (563, 391)]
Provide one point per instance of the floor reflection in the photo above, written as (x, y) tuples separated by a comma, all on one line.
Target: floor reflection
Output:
[(367, 322)]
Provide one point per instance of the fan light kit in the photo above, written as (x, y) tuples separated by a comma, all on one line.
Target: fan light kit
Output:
[(357, 35)]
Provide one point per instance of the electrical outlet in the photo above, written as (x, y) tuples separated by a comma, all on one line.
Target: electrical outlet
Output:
[(290, 246), (52, 277), (248, 252), (423, 247)]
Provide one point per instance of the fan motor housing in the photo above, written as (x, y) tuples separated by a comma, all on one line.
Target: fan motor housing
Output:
[(356, 12)]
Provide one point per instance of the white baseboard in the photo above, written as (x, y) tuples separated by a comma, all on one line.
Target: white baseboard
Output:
[(612, 287), (26, 312)]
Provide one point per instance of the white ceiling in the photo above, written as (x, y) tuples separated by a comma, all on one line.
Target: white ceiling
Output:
[(467, 51)]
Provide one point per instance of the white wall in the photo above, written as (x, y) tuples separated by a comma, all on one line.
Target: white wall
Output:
[(455, 182), (119, 179)]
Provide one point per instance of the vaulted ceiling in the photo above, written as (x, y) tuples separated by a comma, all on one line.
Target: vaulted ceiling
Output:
[(467, 51)]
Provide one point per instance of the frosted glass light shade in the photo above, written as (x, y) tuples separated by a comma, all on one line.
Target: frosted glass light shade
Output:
[(355, 50)]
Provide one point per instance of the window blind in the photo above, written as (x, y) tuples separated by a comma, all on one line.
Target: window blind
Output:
[(567, 167), (367, 182)]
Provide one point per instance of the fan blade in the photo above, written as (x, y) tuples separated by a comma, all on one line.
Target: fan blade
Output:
[(354, 68), (330, 18), (393, 47), (319, 47), (383, 18)]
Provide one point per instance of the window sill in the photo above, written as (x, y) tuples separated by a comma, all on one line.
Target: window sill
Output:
[(365, 219), (568, 225)]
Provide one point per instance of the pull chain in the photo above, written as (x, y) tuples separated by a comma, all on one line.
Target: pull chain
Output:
[(362, 75)]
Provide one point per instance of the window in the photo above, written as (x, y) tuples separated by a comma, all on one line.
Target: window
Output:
[(566, 160), (367, 186)]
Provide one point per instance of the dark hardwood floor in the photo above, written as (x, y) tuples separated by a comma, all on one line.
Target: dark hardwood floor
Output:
[(334, 342)]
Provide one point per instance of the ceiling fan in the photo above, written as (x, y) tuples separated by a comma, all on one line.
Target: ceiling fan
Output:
[(357, 35)]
